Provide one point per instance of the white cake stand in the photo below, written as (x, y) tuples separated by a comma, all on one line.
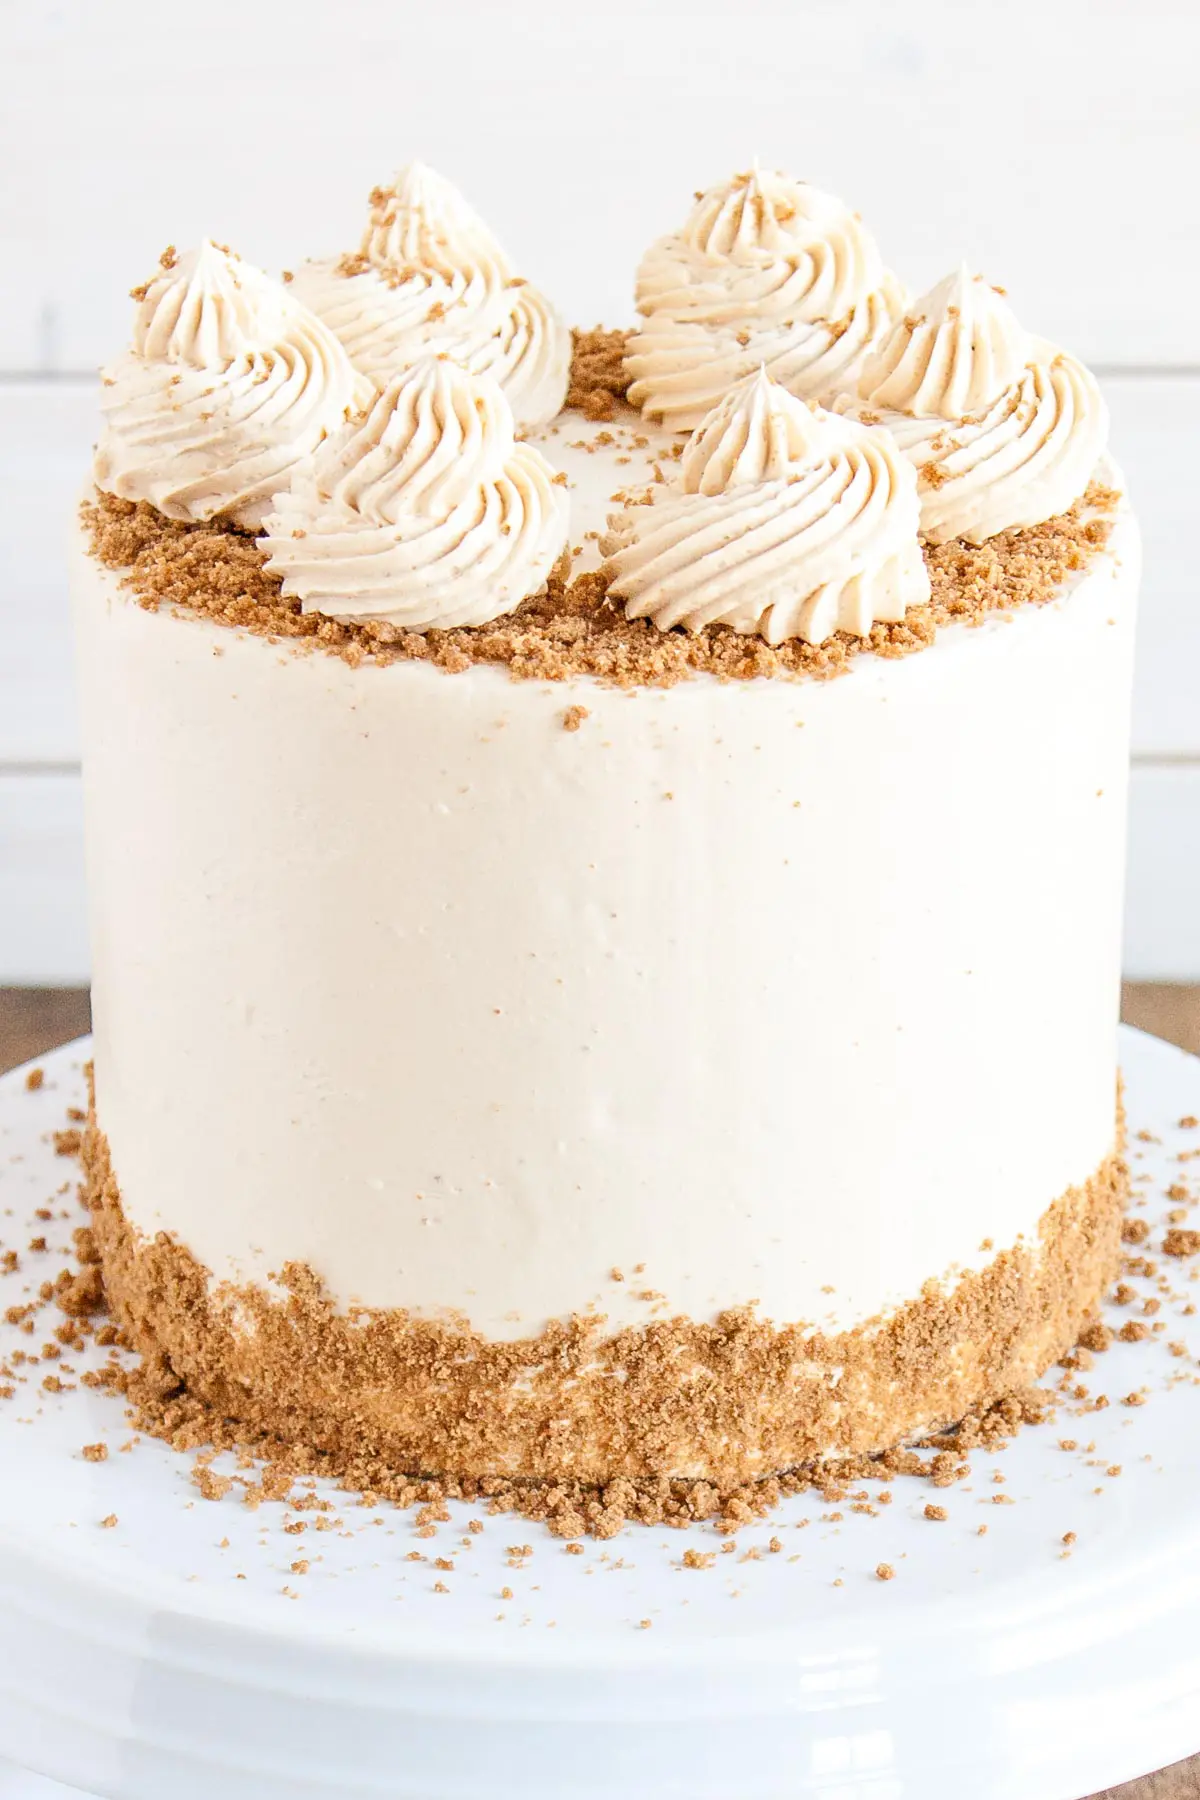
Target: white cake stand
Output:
[(177, 1655)]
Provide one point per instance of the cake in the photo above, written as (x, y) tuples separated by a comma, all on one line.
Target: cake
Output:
[(605, 858)]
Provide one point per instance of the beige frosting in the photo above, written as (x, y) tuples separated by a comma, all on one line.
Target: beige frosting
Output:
[(425, 511), (955, 353), (229, 385), (783, 521), (1004, 429), (766, 270), (430, 278)]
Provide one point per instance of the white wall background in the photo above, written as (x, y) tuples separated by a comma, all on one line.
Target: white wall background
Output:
[(1054, 143)]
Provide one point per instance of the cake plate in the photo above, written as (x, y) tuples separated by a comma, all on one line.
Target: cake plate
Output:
[(155, 1643)]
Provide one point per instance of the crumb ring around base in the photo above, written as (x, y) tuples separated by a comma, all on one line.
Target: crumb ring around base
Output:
[(729, 1401)]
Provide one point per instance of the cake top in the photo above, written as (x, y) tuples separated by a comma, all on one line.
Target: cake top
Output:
[(391, 422)]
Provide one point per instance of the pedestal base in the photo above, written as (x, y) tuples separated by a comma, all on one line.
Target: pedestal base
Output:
[(195, 1648)]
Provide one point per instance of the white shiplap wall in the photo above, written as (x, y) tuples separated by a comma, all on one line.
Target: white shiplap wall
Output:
[(1051, 142)]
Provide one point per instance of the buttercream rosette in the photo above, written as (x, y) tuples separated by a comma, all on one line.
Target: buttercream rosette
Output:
[(430, 279), (425, 512), (229, 385), (766, 271), (1004, 429), (784, 520)]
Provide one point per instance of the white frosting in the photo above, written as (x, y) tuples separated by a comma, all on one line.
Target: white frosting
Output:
[(1004, 430), (425, 512), (771, 987), (782, 521), (766, 270), (230, 384), (431, 279)]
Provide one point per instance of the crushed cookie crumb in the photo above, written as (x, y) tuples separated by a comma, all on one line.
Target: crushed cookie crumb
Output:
[(572, 1509), (598, 378), (699, 1559), (572, 630)]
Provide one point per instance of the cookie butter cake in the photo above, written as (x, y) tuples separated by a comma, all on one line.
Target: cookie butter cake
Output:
[(547, 1026)]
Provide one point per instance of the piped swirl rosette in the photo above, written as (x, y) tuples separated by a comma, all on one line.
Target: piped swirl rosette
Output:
[(1003, 429), (430, 279), (766, 271), (425, 511), (783, 521), (229, 385)]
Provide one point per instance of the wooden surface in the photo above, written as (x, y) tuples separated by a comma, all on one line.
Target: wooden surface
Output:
[(34, 1020)]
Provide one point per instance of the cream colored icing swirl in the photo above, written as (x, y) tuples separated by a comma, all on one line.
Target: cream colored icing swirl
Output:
[(766, 270), (1003, 429), (430, 279), (425, 511), (783, 520), (230, 384), (954, 354)]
